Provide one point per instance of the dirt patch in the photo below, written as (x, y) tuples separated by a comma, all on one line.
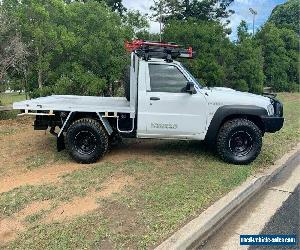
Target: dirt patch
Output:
[(123, 220), (38, 176), (18, 148), (134, 148), (105, 244), (15, 148), (9, 228), (16, 122), (289, 97), (115, 185), (82, 205), (32, 208)]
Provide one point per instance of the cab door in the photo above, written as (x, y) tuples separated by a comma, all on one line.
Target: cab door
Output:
[(169, 111)]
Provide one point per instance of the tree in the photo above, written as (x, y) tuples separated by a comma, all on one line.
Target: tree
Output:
[(281, 57), (115, 5), (38, 23), (74, 48), (218, 61), (279, 38), (184, 9), (212, 46), (13, 51), (248, 72), (249, 67), (287, 15), (136, 22), (242, 31), (94, 55)]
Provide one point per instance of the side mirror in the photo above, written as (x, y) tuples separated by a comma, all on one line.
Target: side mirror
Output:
[(190, 88)]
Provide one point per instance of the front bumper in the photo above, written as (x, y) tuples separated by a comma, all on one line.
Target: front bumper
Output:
[(272, 123)]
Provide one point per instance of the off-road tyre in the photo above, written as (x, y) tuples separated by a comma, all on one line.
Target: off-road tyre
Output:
[(239, 141), (86, 141)]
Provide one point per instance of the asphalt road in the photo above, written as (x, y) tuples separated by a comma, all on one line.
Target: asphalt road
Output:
[(274, 210), (286, 219)]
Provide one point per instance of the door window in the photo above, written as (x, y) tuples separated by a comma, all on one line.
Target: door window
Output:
[(166, 78)]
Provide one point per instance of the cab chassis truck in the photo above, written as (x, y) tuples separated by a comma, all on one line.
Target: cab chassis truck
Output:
[(163, 101)]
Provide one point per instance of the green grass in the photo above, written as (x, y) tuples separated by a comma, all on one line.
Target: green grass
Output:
[(7, 115), (45, 158), (7, 131), (180, 181), (86, 232), (33, 218), (14, 201), (35, 161), (9, 98)]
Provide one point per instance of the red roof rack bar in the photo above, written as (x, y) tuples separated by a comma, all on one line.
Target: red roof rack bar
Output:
[(149, 49), (135, 44)]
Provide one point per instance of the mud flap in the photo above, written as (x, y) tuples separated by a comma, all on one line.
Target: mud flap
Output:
[(60, 143)]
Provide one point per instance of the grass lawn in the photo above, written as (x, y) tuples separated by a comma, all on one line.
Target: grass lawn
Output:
[(9, 98), (167, 184)]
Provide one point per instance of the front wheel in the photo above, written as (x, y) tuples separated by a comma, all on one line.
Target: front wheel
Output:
[(239, 141), (86, 141)]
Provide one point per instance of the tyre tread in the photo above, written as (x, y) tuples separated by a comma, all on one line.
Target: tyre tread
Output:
[(99, 130), (222, 138)]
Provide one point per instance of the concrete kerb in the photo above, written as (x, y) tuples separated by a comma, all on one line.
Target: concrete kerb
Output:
[(193, 234)]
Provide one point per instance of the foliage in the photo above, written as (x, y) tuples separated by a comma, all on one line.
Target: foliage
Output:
[(279, 39), (287, 15), (115, 5), (13, 51), (210, 43), (281, 57), (75, 48), (218, 62), (248, 69), (184, 9), (242, 31), (137, 22)]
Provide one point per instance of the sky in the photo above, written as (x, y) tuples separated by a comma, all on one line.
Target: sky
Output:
[(241, 8)]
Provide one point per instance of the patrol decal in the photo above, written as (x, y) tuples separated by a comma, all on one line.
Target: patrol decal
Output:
[(163, 125)]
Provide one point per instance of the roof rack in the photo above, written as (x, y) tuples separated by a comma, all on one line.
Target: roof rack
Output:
[(167, 51)]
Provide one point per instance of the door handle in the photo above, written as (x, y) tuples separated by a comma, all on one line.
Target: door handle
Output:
[(154, 98)]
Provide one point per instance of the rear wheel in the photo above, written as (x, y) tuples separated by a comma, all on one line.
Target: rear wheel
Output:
[(86, 141), (239, 141)]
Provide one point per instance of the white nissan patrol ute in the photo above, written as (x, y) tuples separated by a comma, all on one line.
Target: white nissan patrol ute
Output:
[(163, 101)]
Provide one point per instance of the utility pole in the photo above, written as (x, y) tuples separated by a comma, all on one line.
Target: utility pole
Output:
[(254, 13)]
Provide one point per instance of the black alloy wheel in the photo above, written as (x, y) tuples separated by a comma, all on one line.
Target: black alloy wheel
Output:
[(240, 143), (85, 142)]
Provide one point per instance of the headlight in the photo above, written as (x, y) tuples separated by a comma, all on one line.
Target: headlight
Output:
[(270, 109)]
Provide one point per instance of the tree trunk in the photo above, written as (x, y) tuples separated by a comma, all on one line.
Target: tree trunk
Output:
[(39, 66), (40, 78)]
